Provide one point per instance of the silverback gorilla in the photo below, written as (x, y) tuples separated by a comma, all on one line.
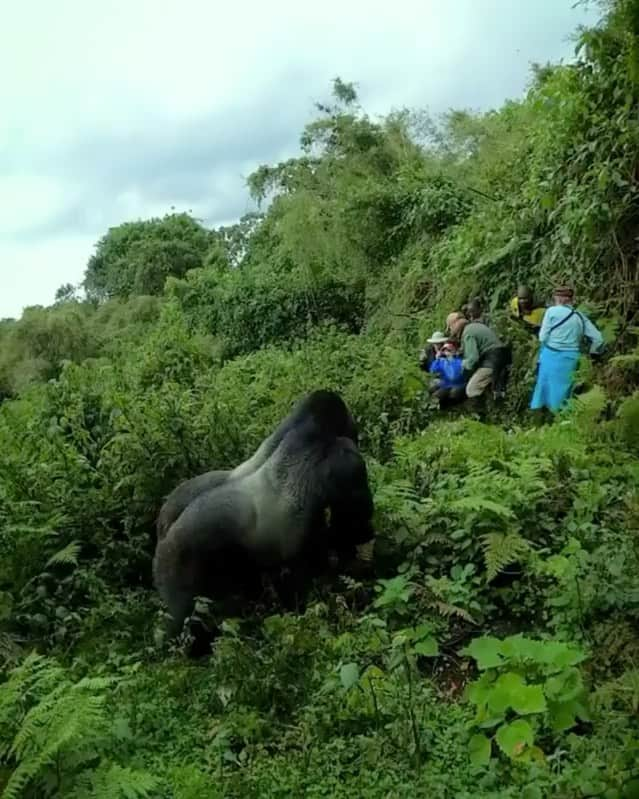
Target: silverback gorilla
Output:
[(302, 494)]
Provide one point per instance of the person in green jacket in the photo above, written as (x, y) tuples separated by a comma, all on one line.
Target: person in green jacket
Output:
[(485, 355)]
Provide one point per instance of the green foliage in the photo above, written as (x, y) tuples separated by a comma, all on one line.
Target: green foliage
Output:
[(35, 347), (628, 415), (506, 532), (247, 310), (502, 549), (522, 677), (137, 257), (61, 735)]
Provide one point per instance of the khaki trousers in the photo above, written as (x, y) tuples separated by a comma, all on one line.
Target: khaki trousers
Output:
[(479, 381)]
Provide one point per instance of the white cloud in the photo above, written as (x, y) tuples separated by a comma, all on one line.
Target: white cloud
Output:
[(32, 272), (120, 109), (26, 201)]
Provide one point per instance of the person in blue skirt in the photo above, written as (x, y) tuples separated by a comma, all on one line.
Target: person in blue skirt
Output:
[(561, 335)]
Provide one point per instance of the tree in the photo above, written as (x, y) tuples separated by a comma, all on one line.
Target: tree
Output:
[(137, 257), (66, 293)]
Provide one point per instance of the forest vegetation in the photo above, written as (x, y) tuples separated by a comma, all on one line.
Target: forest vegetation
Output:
[(494, 652)]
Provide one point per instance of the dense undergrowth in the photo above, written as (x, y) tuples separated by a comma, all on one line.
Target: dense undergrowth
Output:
[(495, 651)]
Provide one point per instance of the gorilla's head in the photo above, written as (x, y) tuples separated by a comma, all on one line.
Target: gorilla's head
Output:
[(330, 415)]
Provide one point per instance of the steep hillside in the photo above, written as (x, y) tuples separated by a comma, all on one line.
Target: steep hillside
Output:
[(493, 652)]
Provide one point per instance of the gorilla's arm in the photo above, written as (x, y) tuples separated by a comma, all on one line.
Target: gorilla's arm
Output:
[(348, 496)]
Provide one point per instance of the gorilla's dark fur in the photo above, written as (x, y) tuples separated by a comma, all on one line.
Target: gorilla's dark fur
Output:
[(218, 532)]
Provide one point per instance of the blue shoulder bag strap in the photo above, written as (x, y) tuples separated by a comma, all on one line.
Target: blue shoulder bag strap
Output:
[(565, 319), (560, 323)]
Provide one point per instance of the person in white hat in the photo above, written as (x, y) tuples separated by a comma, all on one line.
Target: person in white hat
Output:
[(433, 350)]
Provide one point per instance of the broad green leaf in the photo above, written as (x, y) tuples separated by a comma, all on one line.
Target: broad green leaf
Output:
[(510, 690), (372, 675), (562, 715), (478, 692), (349, 675), (530, 699), (427, 647), (486, 651), (592, 786), (553, 654), (479, 750), (581, 710), (523, 649), (486, 721), (560, 655), (514, 738), (564, 687), (507, 687), (531, 792)]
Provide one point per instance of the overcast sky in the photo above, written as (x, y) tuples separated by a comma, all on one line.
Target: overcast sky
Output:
[(113, 110)]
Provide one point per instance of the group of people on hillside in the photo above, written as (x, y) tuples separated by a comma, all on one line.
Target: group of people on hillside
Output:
[(469, 357)]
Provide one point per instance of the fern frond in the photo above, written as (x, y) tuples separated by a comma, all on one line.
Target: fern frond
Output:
[(95, 684), (68, 556), (587, 408), (26, 772), (447, 610), (34, 678), (398, 491), (436, 538), (111, 781), (628, 362), (53, 721), (481, 503), (502, 549)]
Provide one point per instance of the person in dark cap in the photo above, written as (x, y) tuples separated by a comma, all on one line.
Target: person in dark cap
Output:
[(562, 332), (525, 308), (473, 310)]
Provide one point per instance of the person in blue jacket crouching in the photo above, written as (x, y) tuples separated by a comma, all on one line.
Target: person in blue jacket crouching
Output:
[(449, 387)]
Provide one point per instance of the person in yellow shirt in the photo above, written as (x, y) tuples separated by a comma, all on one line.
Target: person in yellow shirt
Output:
[(524, 308)]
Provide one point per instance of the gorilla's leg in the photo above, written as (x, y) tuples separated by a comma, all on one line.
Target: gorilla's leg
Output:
[(202, 554), (292, 584), (180, 604)]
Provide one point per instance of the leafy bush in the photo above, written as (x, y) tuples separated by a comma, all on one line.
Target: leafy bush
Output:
[(526, 687)]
